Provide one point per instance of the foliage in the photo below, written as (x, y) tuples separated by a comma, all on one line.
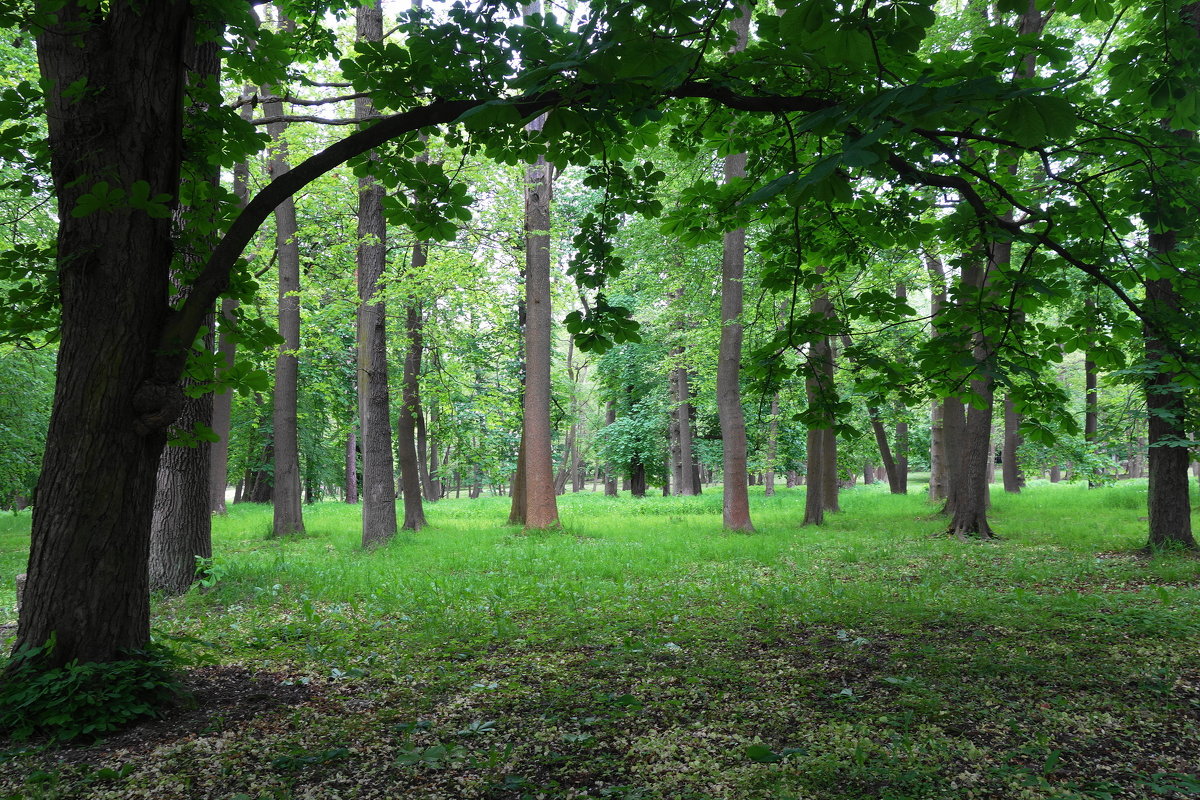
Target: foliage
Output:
[(85, 701)]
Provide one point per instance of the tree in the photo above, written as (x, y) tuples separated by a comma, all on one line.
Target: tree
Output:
[(379, 479)]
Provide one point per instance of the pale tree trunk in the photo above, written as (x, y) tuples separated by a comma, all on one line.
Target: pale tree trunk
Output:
[(736, 504), (181, 525), (410, 410), (675, 467), (222, 414), (938, 478), (541, 505), (689, 483), (288, 514), (379, 476)]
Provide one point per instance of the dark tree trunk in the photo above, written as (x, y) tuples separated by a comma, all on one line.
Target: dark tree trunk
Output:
[(969, 492), (1168, 503), (736, 505), (435, 463), (637, 478), (181, 524), (288, 516), (868, 473), (410, 409), (1014, 480), (689, 479), (375, 413), (87, 578), (516, 512)]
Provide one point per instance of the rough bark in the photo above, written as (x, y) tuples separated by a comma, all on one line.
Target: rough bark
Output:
[(410, 405), (87, 578), (637, 478), (181, 524), (541, 506), (379, 476), (736, 503), (1168, 502), (288, 516)]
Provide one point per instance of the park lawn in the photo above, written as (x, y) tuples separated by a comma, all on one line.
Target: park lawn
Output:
[(643, 652)]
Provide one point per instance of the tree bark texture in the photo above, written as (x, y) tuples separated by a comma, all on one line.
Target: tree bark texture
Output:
[(410, 410), (379, 476), (87, 578), (181, 524), (736, 503), (541, 505), (1168, 502), (288, 515), (352, 468)]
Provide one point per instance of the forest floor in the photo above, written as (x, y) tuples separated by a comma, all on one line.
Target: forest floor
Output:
[(642, 652)]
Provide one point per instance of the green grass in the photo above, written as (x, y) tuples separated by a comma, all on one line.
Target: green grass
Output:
[(643, 652)]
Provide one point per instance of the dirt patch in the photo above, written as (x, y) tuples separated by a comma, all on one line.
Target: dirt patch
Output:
[(220, 697)]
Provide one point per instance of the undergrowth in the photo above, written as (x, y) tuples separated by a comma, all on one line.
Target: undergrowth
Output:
[(643, 652)]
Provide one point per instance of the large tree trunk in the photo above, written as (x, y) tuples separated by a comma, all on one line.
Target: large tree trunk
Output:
[(288, 516), (87, 580), (1168, 503), (379, 476), (541, 505), (736, 504), (637, 478), (410, 409), (970, 492), (181, 524)]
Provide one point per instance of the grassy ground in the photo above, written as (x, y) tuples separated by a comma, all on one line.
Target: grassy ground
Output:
[(645, 653)]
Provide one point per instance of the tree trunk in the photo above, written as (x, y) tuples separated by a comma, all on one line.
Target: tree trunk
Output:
[(352, 468), (516, 512), (637, 478), (87, 579), (181, 524), (1168, 503), (375, 413), (1013, 478), (410, 409), (435, 463), (541, 505), (772, 447), (288, 516), (736, 504), (610, 473)]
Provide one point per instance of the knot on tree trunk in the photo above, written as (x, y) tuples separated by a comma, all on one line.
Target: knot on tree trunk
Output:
[(156, 405)]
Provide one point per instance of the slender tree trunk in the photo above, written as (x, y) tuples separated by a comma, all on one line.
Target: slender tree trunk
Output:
[(352, 468), (288, 515), (1014, 480), (410, 409), (434, 473), (675, 465), (610, 474), (772, 447), (379, 476), (736, 505), (689, 477), (541, 506)]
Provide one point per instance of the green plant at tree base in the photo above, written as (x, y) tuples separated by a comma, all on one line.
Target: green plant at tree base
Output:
[(85, 700)]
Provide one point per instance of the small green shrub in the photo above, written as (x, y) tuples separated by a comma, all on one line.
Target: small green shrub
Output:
[(84, 700)]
